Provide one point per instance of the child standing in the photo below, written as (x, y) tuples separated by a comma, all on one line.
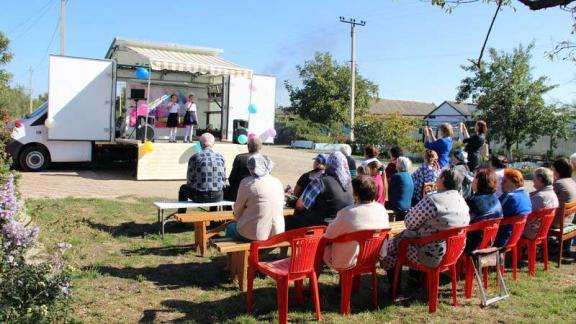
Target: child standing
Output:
[(173, 109), (380, 181), (190, 118)]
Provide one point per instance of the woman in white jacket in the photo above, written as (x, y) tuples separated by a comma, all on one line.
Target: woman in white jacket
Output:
[(258, 209), (364, 214)]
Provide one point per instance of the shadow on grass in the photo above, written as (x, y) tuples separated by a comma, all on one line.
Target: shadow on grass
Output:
[(162, 251), (230, 308), (133, 229), (209, 275)]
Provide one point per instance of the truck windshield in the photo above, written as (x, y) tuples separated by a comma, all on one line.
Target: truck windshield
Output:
[(42, 109)]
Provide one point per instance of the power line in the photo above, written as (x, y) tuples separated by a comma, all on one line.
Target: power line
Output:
[(38, 17), (49, 45), (23, 23)]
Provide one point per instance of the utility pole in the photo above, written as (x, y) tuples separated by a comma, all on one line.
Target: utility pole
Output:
[(30, 88), (62, 25), (353, 25)]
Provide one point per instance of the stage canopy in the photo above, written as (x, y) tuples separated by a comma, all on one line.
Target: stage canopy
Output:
[(173, 57)]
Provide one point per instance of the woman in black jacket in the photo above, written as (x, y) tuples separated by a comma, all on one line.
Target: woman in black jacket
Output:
[(473, 144)]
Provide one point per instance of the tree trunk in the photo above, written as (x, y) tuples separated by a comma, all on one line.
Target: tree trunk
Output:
[(509, 150)]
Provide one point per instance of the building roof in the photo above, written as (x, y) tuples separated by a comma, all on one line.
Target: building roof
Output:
[(173, 57), (402, 107), (464, 108)]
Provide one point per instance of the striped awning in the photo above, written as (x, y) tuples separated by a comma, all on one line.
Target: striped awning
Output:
[(173, 60)]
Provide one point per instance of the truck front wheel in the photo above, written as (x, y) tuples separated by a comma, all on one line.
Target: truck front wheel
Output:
[(34, 158)]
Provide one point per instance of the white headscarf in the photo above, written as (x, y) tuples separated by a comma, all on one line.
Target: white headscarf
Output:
[(260, 165)]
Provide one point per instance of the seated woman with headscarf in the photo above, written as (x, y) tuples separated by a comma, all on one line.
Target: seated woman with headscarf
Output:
[(258, 209), (324, 196), (436, 212)]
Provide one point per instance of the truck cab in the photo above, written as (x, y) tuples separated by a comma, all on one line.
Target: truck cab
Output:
[(31, 150)]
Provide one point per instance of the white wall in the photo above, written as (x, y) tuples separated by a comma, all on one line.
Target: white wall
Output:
[(260, 91)]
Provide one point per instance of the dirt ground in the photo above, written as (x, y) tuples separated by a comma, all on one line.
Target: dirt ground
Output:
[(84, 181)]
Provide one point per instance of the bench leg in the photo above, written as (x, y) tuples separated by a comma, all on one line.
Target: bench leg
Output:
[(200, 237), (239, 268), (162, 224)]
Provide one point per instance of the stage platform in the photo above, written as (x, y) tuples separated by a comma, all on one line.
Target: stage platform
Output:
[(169, 161)]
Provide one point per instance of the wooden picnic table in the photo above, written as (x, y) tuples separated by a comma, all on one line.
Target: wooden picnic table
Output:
[(201, 220), (163, 206), (238, 253)]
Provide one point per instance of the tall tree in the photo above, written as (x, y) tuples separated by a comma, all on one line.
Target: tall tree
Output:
[(556, 122), (390, 130), (508, 96), (5, 57), (325, 93)]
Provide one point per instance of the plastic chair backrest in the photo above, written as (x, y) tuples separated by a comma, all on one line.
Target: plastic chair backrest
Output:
[(546, 216), (304, 243), (518, 223), (455, 242), (370, 243), (489, 230)]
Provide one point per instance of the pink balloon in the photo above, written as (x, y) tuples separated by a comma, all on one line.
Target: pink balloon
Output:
[(142, 109), (271, 132), (251, 135)]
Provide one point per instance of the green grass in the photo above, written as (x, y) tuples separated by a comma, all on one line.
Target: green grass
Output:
[(125, 273)]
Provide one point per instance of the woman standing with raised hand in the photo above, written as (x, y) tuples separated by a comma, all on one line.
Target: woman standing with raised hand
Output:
[(473, 144), (173, 109), (190, 118), (442, 146)]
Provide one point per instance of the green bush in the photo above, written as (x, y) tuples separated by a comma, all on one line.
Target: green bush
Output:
[(309, 131)]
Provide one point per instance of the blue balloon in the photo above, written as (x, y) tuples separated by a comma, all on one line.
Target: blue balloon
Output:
[(242, 139), (198, 147), (252, 109), (142, 73)]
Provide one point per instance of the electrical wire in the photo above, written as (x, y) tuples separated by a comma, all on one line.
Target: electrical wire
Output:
[(25, 22), (49, 45), (41, 14)]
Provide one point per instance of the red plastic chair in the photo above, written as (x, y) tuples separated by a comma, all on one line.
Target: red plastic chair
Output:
[(455, 241), (546, 217), (489, 230), (518, 223), (304, 243), (370, 243)]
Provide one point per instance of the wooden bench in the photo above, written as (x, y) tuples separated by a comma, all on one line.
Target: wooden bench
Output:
[(238, 253), (201, 220), (163, 206)]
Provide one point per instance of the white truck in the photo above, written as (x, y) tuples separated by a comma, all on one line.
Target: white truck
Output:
[(78, 115), (78, 123)]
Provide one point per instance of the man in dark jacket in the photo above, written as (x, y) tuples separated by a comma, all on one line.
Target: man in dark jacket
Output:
[(240, 167)]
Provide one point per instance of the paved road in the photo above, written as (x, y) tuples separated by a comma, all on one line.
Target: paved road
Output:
[(113, 183)]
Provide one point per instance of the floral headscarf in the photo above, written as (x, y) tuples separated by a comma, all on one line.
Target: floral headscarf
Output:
[(337, 166), (260, 165)]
